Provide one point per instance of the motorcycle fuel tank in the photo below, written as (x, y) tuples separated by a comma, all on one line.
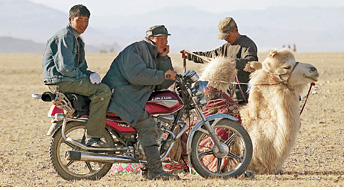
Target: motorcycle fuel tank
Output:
[(163, 102)]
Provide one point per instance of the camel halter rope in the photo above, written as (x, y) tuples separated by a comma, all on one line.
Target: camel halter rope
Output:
[(184, 57), (308, 93), (285, 82)]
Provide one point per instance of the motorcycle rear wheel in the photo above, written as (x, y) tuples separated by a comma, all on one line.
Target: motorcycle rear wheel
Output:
[(209, 163), (76, 170)]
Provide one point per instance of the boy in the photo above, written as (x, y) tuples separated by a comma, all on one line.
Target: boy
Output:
[(65, 69)]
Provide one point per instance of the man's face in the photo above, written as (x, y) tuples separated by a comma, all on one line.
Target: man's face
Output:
[(160, 42), (232, 37), (79, 23)]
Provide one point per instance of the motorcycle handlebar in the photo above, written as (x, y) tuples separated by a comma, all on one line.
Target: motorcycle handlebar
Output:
[(36, 96), (48, 96)]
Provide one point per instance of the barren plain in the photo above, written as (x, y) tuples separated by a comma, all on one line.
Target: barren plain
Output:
[(316, 161)]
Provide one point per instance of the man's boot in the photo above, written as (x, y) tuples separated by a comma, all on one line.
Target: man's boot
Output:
[(154, 165), (144, 170)]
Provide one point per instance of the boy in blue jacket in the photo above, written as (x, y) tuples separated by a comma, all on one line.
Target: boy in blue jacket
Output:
[(65, 69)]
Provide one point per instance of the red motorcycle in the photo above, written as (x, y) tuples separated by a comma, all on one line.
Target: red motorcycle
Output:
[(216, 146)]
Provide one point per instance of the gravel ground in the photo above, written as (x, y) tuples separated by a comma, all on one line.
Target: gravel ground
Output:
[(316, 161)]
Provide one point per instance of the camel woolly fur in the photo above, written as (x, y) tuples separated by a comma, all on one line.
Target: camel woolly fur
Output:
[(220, 72), (272, 116)]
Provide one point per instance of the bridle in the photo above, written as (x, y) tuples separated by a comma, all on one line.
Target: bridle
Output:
[(285, 82), (282, 81)]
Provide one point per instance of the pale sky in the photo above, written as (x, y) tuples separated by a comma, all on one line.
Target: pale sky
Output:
[(130, 7), (105, 15)]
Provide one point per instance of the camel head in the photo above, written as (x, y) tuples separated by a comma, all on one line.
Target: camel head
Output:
[(283, 65)]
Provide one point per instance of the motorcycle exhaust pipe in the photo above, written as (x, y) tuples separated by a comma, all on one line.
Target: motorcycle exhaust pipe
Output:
[(92, 157)]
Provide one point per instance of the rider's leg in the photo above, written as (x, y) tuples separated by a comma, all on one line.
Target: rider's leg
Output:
[(99, 95), (148, 136)]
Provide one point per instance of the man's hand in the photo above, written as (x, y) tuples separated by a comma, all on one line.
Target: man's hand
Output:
[(170, 75), (184, 54), (95, 78), (166, 50)]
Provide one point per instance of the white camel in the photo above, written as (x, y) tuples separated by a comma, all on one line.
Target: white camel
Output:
[(271, 116)]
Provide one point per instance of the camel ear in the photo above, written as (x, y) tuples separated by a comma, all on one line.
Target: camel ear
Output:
[(273, 52), (252, 66)]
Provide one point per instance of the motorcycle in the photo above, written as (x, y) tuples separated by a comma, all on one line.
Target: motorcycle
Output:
[(216, 146)]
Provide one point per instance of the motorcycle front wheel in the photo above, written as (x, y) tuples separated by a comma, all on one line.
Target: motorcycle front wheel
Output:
[(232, 161), (71, 169)]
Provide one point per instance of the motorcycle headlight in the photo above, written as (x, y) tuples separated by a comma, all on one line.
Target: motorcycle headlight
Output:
[(199, 87), (191, 75), (194, 77)]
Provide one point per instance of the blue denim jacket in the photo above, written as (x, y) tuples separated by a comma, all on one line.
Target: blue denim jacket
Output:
[(64, 57)]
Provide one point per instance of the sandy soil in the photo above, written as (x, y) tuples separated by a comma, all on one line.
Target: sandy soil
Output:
[(317, 160)]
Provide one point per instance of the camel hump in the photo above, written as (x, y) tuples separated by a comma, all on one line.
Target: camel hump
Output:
[(220, 73)]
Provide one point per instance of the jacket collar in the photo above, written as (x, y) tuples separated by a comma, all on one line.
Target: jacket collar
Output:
[(73, 31), (239, 39), (152, 48)]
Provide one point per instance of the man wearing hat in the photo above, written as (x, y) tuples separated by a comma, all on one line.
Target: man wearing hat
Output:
[(135, 73), (238, 47)]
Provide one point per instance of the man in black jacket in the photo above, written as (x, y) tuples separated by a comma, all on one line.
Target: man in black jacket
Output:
[(238, 47)]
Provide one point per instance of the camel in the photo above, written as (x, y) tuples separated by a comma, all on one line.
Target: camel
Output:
[(271, 116)]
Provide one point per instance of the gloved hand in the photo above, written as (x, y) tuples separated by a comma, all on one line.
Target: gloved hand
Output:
[(95, 78)]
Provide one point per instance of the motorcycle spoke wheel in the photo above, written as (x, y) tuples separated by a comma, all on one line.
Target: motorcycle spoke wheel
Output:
[(202, 154), (74, 169), (206, 159), (69, 163)]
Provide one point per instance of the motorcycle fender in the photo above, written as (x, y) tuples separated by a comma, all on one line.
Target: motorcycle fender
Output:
[(55, 126), (215, 118)]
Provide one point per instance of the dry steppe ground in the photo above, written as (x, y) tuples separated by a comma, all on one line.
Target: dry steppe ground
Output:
[(317, 159)]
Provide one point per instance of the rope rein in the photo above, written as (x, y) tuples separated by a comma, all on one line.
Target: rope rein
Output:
[(191, 53), (308, 93), (207, 59), (243, 95)]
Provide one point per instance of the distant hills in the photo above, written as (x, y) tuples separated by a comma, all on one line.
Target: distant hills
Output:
[(34, 24), (26, 26), (14, 45)]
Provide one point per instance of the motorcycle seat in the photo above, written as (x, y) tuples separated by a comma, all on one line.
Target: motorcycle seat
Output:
[(113, 116)]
